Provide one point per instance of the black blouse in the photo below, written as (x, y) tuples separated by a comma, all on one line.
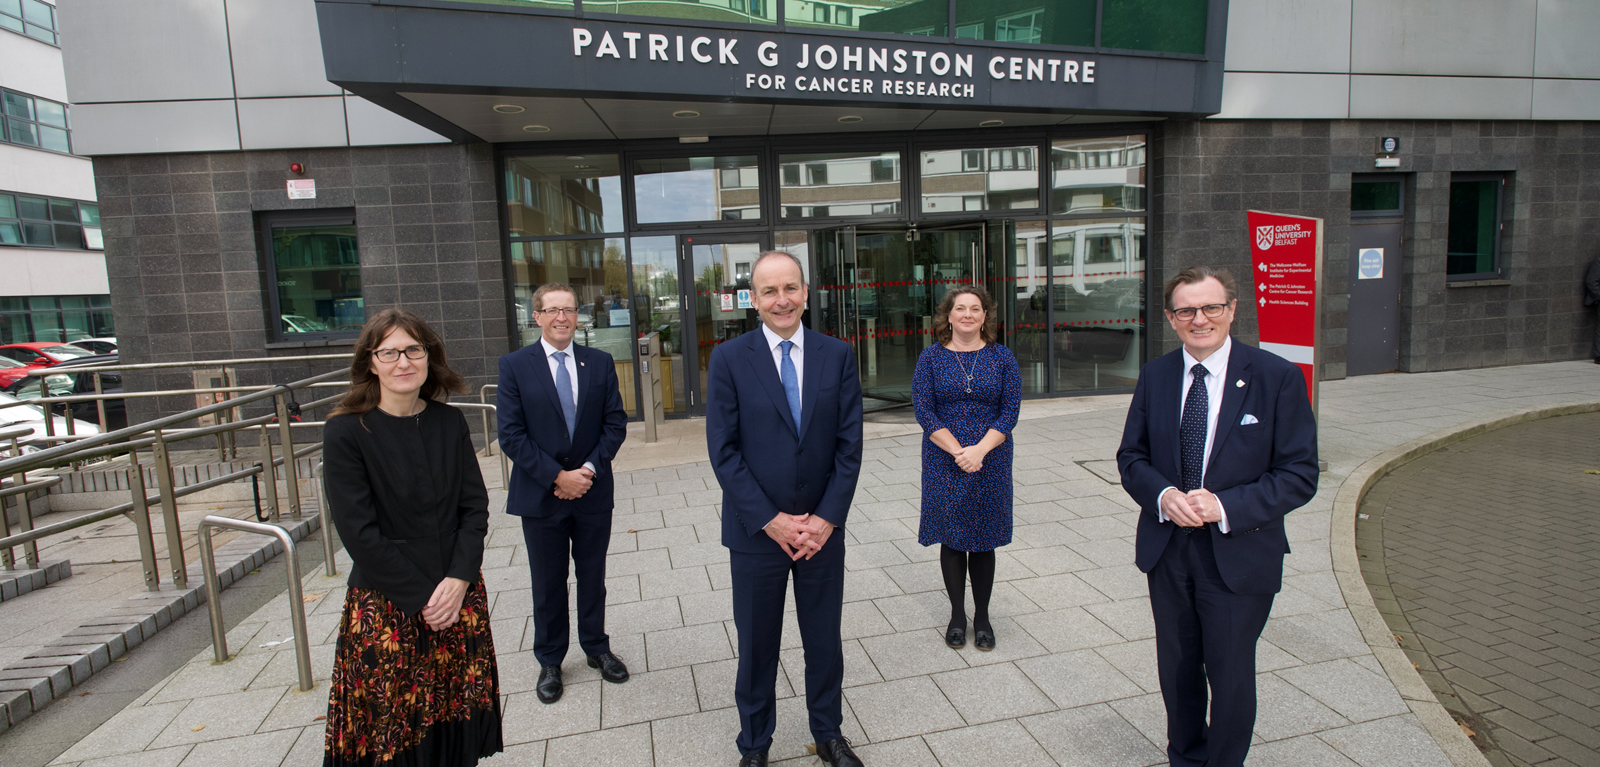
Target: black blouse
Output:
[(408, 500)]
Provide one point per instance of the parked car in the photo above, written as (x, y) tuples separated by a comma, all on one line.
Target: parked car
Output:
[(33, 416), (64, 381), (42, 353), (11, 370), (104, 345)]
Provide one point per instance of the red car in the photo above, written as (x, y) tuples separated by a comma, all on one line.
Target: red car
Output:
[(34, 356)]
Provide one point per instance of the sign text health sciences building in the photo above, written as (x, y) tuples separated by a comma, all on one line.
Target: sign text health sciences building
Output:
[(1067, 154)]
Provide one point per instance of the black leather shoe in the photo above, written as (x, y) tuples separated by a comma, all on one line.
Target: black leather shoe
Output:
[(956, 637), (611, 668), (837, 753), (549, 687), (753, 760), (983, 640)]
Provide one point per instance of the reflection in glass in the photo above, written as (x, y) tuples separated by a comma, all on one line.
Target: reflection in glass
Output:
[(1055, 22), (563, 194), (1174, 26), (319, 278), (907, 17), (1097, 288), (1002, 178), (656, 296), (1375, 195), (1474, 219), (1098, 174), (720, 269), (743, 11), (1024, 301), (550, 4), (839, 184), (597, 269), (696, 189)]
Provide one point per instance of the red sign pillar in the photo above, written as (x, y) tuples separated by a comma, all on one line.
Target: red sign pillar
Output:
[(1286, 270)]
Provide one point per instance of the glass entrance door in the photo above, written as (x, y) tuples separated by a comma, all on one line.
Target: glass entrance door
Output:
[(715, 275), (878, 291)]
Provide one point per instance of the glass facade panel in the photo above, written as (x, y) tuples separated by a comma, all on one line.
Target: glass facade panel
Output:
[(1474, 227), (598, 270), (563, 194), (550, 4), (1024, 298), (1375, 195), (1172, 26), (1003, 178), (55, 318), (839, 184), (742, 11), (318, 270), (1097, 307), (1054, 22), (1098, 175), (696, 189), (656, 294), (907, 17)]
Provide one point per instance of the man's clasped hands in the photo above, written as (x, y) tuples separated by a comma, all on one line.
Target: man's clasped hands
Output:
[(800, 535), (1191, 509)]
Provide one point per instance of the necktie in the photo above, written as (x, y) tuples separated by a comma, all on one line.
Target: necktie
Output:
[(569, 409), (1192, 430), (791, 382)]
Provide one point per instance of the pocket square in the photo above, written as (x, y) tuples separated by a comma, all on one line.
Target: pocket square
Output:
[(1248, 419)]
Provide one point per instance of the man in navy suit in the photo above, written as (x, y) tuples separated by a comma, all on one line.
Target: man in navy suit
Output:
[(561, 422), (1219, 445), (783, 427)]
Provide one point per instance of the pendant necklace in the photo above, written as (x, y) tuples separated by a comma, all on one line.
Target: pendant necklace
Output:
[(964, 372)]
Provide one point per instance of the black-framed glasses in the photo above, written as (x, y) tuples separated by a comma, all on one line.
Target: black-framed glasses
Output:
[(558, 312), (1211, 311), (413, 352)]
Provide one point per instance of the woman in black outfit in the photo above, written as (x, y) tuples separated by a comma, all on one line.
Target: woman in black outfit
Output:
[(414, 675)]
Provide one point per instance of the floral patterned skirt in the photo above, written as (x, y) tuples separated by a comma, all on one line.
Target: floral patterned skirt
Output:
[(403, 694)]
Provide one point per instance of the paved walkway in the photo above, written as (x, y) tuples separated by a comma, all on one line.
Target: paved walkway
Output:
[(1072, 681), (1488, 549)]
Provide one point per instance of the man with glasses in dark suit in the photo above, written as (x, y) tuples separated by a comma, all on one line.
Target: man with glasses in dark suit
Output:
[(1219, 445), (561, 422)]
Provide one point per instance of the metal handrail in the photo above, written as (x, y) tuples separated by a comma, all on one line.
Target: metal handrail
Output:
[(483, 398), (505, 463), (326, 515), (297, 603)]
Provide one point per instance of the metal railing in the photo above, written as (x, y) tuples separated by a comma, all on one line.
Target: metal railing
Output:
[(297, 604)]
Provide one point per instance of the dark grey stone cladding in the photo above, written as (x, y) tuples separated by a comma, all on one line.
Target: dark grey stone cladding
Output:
[(187, 273), (1207, 173)]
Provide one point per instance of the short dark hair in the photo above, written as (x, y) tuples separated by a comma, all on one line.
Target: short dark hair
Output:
[(551, 287), (941, 316), (1196, 274), (777, 254)]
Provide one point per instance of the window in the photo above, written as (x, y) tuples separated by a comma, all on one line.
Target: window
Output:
[(687, 189), (1375, 197), (313, 274), (563, 194), (49, 222), (1098, 175), (1026, 27), (36, 122), (1474, 234), (1176, 26), (1054, 22), (28, 319), (29, 17), (1007, 177), (839, 184)]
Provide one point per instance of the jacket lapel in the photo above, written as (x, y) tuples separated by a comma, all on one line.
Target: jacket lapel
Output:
[(585, 377), (760, 359), (809, 386), (1167, 409), (1232, 395)]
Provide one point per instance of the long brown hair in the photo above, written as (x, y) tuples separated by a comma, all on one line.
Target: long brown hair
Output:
[(941, 316), (365, 390)]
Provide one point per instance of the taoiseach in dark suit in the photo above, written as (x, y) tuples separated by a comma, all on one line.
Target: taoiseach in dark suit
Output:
[(561, 422), (1220, 444), (783, 428)]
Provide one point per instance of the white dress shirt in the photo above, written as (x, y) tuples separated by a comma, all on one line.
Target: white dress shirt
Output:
[(571, 363), (797, 355), (1216, 371)]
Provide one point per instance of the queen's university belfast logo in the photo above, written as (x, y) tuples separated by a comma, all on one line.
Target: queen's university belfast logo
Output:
[(1263, 237)]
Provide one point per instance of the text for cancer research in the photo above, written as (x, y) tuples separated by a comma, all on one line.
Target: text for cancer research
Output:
[(844, 58)]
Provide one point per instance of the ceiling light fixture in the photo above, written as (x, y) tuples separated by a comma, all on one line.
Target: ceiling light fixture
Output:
[(991, 123), (509, 109), (575, 157), (685, 114), (536, 128), (693, 139), (850, 119)]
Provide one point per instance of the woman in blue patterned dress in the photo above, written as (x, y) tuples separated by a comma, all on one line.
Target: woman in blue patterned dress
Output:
[(966, 391)]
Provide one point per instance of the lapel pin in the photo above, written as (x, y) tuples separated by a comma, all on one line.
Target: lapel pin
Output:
[(1239, 383)]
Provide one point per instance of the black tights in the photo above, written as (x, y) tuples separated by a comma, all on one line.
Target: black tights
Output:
[(957, 565)]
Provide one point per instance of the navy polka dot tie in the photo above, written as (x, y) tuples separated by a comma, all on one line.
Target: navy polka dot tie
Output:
[(1192, 431)]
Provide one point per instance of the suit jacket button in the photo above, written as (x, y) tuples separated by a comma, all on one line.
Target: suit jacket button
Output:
[(802, 451), (802, 486)]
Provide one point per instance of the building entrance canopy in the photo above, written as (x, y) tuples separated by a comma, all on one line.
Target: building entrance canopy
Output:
[(436, 66)]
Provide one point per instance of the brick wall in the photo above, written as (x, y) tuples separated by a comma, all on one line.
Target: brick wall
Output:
[(187, 272), (1208, 173)]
